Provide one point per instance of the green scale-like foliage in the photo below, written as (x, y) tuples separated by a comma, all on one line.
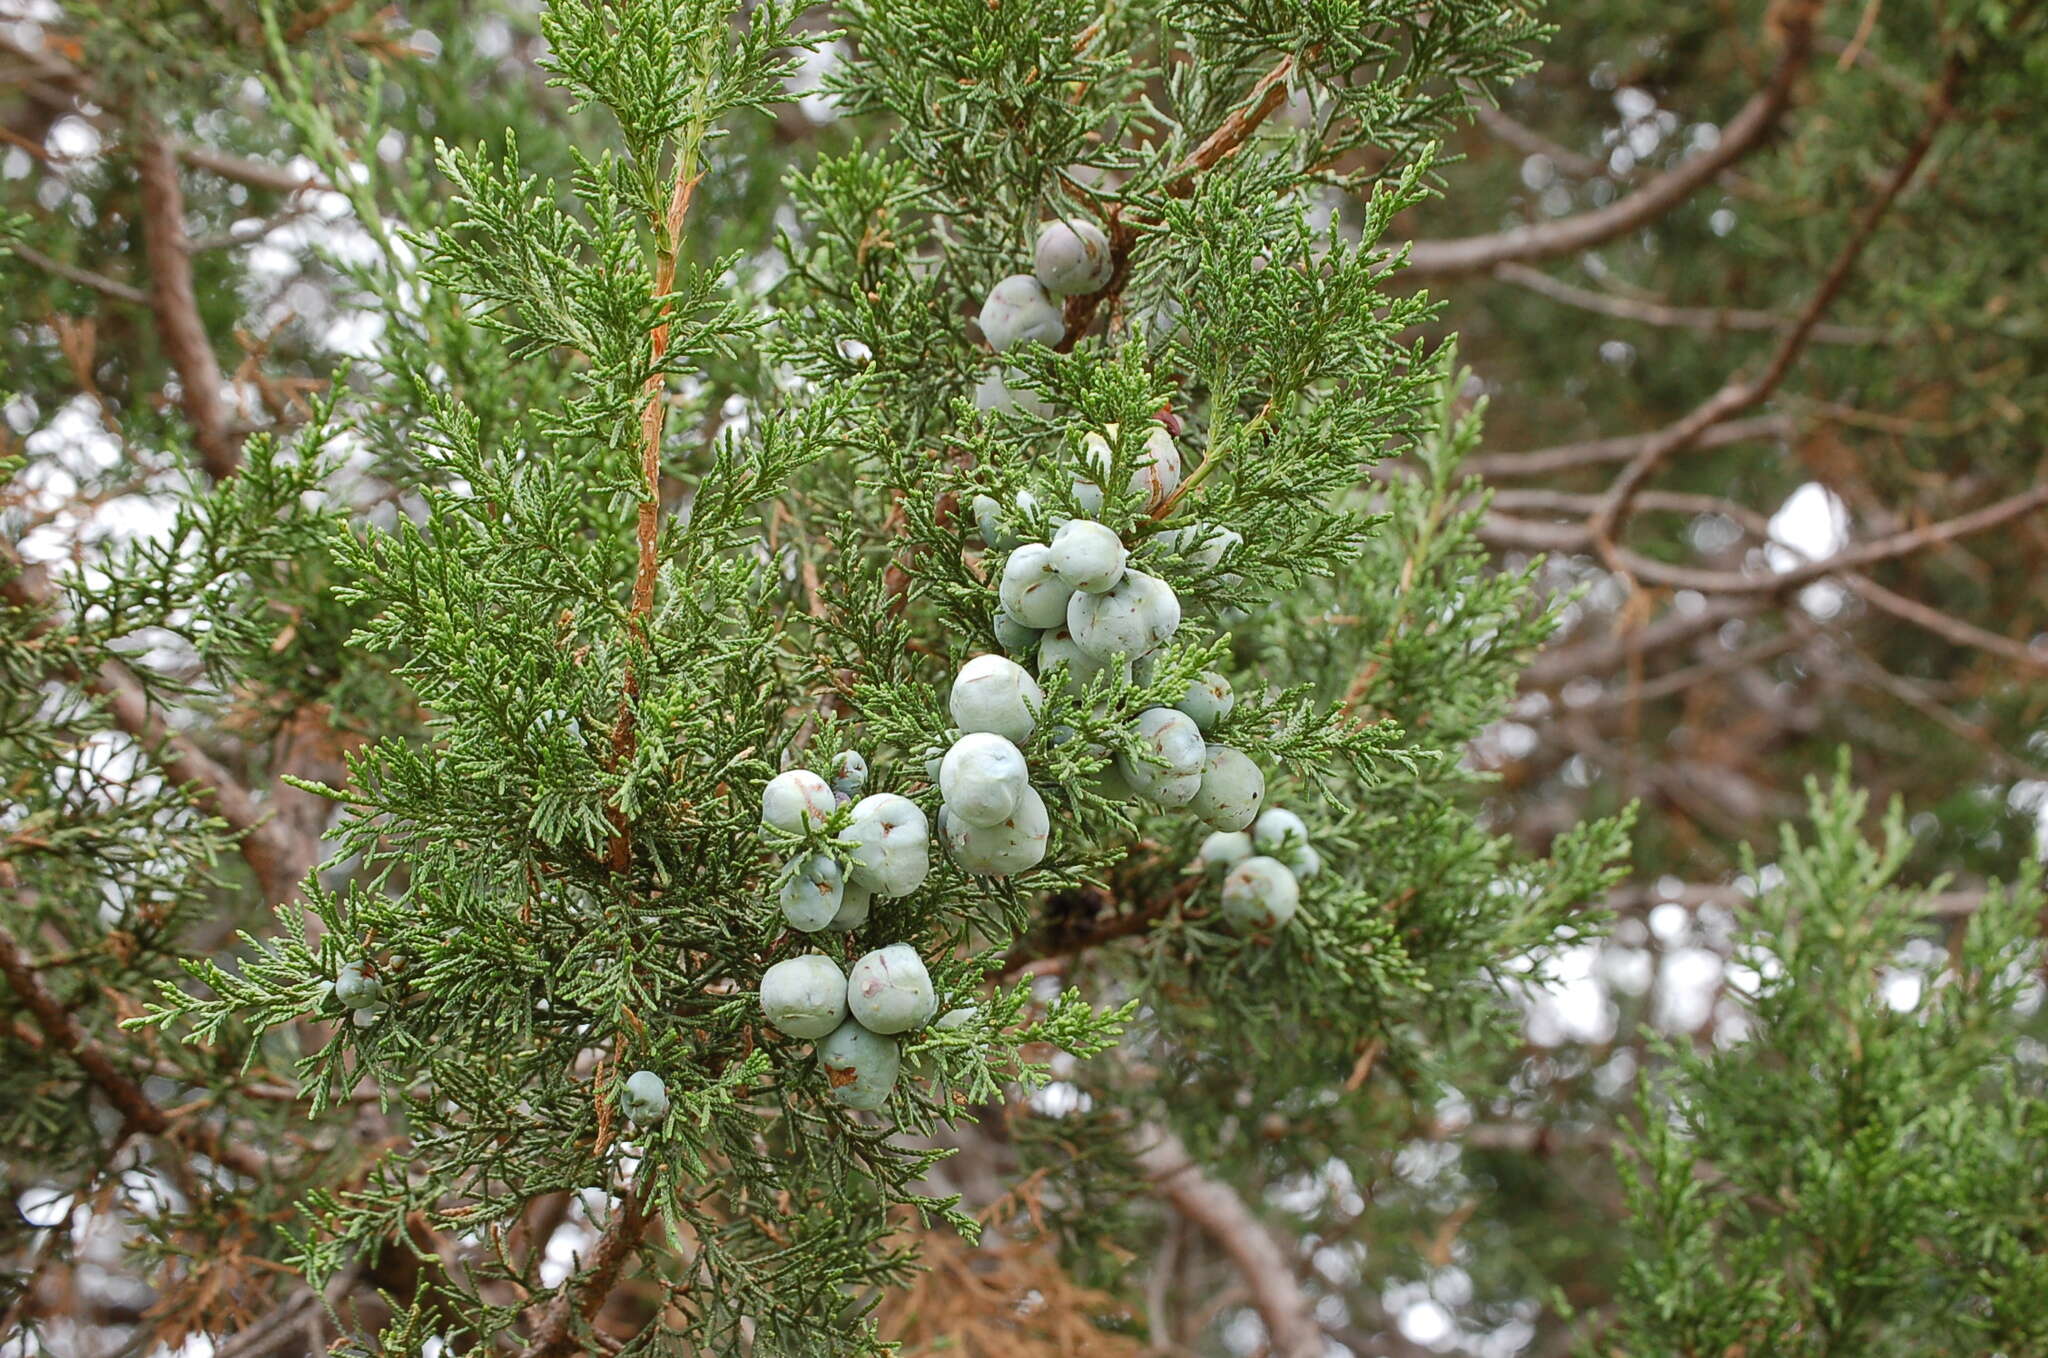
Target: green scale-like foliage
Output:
[(550, 855), (1860, 1171)]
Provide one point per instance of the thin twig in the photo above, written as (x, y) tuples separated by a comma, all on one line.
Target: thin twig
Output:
[(99, 283), (1215, 1208), (1712, 320)]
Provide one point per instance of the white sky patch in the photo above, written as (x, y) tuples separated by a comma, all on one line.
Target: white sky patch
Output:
[(2029, 796), (1812, 525), (807, 82)]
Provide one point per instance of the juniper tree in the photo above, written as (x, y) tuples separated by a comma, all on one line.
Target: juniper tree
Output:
[(682, 460), (1859, 1171)]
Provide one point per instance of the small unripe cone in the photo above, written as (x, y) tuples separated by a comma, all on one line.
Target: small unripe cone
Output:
[(982, 778), (804, 996), (1202, 543), (993, 693), (1014, 636), (1087, 556), (796, 801), (1209, 700), (1224, 850), (891, 844), (1017, 844), (849, 774), (1001, 390), (645, 1098), (1072, 257), (853, 908), (1020, 309), (1171, 738), (1136, 617), (1278, 829), (860, 1066), (1260, 893), (1031, 592), (1305, 862), (1056, 646), (1232, 788), (1155, 477), (355, 990), (889, 990), (812, 892), (988, 521)]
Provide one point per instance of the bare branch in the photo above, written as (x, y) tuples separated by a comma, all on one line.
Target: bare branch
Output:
[(1738, 395), (255, 174), (580, 1297), (1942, 625), (279, 855), (1850, 558), (178, 326), (1215, 1208), (99, 283), (1528, 140), (1743, 134), (136, 1108), (1599, 452), (1712, 320)]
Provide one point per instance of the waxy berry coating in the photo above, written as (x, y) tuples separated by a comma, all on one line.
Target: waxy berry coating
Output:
[(982, 778), (860, 1066), (796, 801), (1017, 844), (889, 990), (1232, 788), (1260, 893), (1031, 591), (812, 892), (994, 693), (1072, 257), (804, 996), (1019, 309), (891, 844)]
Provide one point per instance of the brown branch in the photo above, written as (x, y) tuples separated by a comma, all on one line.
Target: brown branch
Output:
[(1850, 558), (1061, 938), (1942, 625), (137, 1110), (1739, 395), (99, 283), (647, 531), (278, 855), (1529, 141), (171, 296), (1743, 134), (1712, 320), (1267, 94), (255, 174), (1552, 669), (1501, 529), (1623, 448), (581, 1297), (1215, 1208)]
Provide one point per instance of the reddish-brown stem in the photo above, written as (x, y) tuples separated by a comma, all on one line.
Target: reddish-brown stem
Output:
[(136, 1108), (653, 422)]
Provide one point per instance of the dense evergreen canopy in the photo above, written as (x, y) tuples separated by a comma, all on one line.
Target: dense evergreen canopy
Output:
[(459, 459)]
